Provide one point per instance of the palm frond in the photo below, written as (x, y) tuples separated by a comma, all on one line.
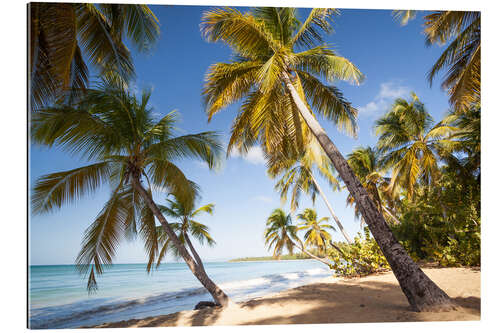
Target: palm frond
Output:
[(54, 190)]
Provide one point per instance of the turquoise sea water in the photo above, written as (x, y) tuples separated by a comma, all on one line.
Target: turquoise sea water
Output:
[(58, 296)]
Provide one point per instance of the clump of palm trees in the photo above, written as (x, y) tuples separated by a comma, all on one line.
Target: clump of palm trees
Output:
[(281, 233), (283, 73)]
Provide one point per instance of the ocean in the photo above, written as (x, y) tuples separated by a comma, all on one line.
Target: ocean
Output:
[(58, 297)]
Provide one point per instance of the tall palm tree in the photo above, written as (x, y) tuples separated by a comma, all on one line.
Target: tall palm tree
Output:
[(462, 57), (118, 134), (317, 234), (409, 143), (184, 212), (298, 177), (277, 68), (365, 162), (64, 35), (281, 233)]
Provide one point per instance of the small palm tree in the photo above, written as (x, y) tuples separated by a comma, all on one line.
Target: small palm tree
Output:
[(317, 233), (62, 35), (462, 56), (409, 144), (280, 233), (278, 68), (117, 133), (184, 212)]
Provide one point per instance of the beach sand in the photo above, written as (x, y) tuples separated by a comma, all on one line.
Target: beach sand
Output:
[(375, 298)]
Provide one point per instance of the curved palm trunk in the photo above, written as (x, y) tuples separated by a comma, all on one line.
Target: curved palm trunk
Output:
[(391, 214), (193, 251), (421, 292), (324, 261), (218, 295), (335, 218)]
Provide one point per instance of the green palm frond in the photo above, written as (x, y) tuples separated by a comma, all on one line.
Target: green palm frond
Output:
[(57, 189), (242, 32), (319, 21), (148, 232), (404, 16), (63, 34), (101, 239)]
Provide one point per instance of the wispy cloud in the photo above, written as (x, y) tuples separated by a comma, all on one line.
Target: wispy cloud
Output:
[(255, 155), (388, 92), (263, 198)]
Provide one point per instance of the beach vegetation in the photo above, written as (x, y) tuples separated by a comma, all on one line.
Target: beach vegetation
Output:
[(360, 258)]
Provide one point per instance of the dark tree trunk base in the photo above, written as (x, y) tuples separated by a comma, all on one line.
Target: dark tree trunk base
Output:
[(205, 304)]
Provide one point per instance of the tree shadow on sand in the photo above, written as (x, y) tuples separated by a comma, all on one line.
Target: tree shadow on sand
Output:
[(356, 301)]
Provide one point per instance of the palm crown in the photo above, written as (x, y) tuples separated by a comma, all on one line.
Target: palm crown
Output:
[(118, 132), (409, 142), (317, 233), (280, 232), (64, 35), (268, 44), (184, 212)]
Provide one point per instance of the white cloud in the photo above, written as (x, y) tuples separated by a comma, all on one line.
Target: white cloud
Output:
[(255, 155), (263, 198), (388, 92)]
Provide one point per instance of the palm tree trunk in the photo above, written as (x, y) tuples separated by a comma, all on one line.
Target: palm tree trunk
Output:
[(391, 214), (324, 261), (193, 251), (421, 292), (335, 218), (218, 294)]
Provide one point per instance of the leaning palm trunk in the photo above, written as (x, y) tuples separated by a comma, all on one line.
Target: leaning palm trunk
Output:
[(198, 270), (335, 218), (303, 249), (391, 214), (421, 292)]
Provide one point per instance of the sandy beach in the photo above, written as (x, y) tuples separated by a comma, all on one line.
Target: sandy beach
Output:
[(375, 298)]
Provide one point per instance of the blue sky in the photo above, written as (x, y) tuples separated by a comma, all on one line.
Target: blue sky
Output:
[(393, 58)]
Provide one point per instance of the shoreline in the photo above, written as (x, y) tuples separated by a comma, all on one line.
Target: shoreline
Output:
[(373, 298)]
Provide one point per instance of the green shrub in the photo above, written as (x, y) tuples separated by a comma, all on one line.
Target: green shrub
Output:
[(360, 258)]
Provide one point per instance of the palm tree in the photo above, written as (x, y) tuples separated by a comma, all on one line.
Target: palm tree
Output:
[(281, 233), (277, 68), (298, 177), (462, 57), (409, 143), (462, 149), (365, 162), (62, 35), (317, 234), (117, 133), (184, 212)]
